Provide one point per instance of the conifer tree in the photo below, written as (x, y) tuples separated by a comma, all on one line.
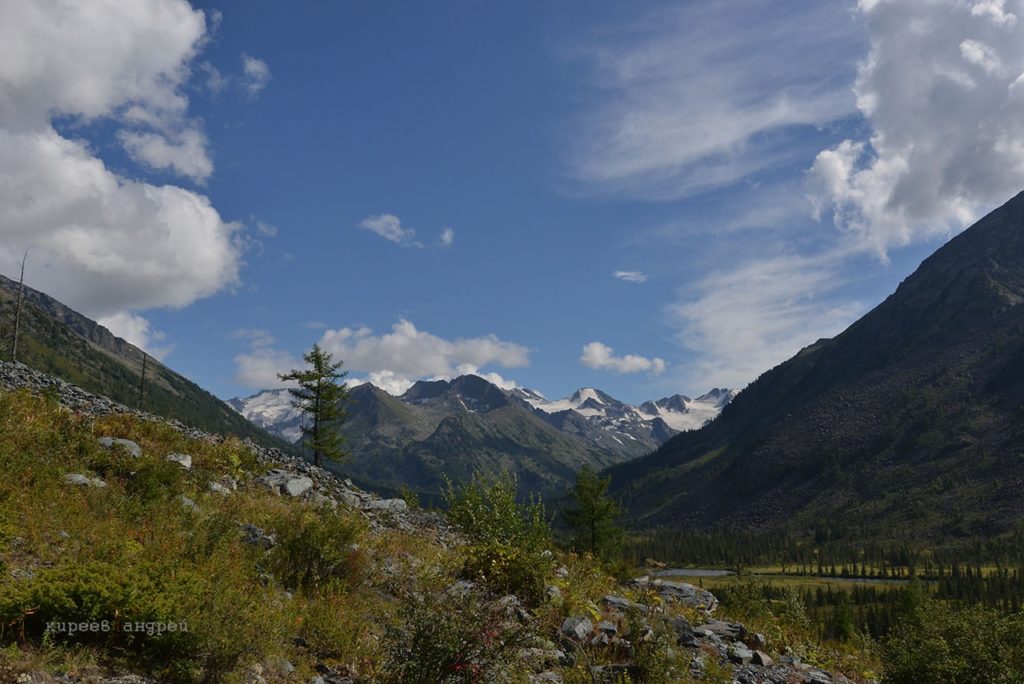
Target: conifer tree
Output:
[(593, 517), (320, 396)]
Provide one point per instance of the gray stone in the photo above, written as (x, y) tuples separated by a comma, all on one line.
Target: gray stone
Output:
[(130, 447), (298, 486), (80, 480), (187, 502), (761, 658), (553, 593), (684, 632), (739, 653), (218, 488), (184, 460), (623, 605), (387, 505), (686, 594), (561, 571), (730, 631), (577, 628), (547, 677), (608, 627)]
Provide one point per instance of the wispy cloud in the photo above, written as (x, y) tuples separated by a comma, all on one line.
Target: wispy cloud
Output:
[(255, 75), (389, 227), (705, 94), (447, 238), (631, 276)]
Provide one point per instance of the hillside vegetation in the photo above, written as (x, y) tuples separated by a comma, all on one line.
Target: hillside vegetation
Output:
[(271, 570)]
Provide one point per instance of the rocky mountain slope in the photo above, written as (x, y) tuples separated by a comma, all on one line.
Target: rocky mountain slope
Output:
[(182, 556), (66, 344), (908, 424), (450, 428)]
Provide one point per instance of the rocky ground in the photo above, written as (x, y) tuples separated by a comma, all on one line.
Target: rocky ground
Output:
[(605, 641)]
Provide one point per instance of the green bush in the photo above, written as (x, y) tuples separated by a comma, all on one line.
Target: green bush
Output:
[(509, 542), (940, 642), (453, 639), (315, 550), (156, 481)]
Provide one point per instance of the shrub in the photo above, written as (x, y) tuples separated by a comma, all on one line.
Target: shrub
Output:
[(452, 639), (155, 481), (315, 550), (939, 642), (509, 541)]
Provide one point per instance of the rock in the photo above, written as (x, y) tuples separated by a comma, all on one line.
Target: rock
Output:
[(818, 677), (298, 486), (608, 627), (80, 480), (187, 502), (761, 658), (576, 628), (461, 587), (553, 593), (255, 536), (547, 677), (623, 605), (730, 631), (130, 447), (684, 632), (285, 482), (218, 488), (757, 640), (739, 653), (387, 505), (686, 594), (184, 460), (283, 667), (616, 672), (561, 571), (320, 500)]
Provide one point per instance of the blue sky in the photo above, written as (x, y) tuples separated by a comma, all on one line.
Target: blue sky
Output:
[(436, 188)]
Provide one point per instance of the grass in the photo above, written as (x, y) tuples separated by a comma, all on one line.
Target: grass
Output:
[(372, 604)]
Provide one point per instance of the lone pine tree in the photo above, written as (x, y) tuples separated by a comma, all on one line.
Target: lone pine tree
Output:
[(593, 517), (321, 396)]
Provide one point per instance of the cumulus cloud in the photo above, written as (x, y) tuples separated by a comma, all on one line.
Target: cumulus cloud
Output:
[(703, 94), (601, 356), (255, 75), (389, 227), (447, 237), (631, 276), (183, 152), (103, 243), (390, 360), (743, 321), (940, 91)]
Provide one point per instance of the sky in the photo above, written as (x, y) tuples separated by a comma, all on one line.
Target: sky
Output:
[(647, 197)]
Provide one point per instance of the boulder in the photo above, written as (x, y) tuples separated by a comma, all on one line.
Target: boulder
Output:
[(739, 653), (623, 605), (576, 628), (729, 631), (130, 447), (761, 658), (387, 505), (684, 632), (184, 460), (608, 627), (285, 482), (80, 480)]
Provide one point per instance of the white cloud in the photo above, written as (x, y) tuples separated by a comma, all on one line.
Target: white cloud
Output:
[(103, 243), (631, 276), (389, 227), (601, 356), (704, 94), (216, 82), (255, 74), (183, 152), (136, 330), (947, 122), (447, 237), (393, 360), (743, 321)]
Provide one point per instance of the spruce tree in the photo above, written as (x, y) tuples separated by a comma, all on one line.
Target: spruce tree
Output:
[(321, 397), (593, 517)]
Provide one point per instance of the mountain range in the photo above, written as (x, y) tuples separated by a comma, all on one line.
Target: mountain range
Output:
[(441, 428), (907, 425)]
